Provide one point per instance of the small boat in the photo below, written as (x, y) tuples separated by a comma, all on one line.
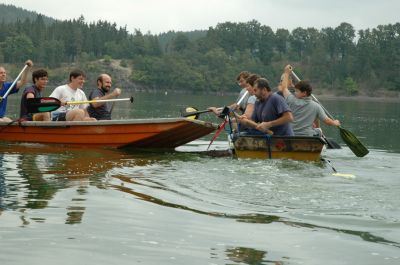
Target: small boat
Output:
[(165, 133), (278, 147)]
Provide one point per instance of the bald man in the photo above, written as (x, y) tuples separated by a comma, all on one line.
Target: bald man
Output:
[(102, 110)]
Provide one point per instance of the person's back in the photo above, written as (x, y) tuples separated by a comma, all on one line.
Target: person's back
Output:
[(305, 111)]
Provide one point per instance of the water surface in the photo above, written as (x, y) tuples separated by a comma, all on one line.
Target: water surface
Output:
[(63, 205)]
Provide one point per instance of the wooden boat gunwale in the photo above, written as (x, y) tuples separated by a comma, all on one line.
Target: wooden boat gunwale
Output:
[(278, 147), (144, 133)]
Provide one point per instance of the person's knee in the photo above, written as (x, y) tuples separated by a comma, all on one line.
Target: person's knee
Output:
[(75, 115), (5, 119), (41, 117)]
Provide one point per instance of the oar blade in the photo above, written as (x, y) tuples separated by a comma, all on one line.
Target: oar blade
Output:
[(331, 144), (36, 105), (190, 113), (353, 143)]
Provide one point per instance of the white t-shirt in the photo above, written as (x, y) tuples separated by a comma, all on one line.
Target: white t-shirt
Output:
[(66, 93)]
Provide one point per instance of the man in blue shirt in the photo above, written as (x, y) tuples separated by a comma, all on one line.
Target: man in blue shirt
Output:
[(5, 86), (271, 112)]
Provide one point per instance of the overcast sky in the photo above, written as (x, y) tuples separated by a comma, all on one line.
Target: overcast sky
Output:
[(159, 16)]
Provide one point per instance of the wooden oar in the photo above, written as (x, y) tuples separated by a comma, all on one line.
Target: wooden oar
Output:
[(13, 84), (46, 104), (348, 137), (189, 112)]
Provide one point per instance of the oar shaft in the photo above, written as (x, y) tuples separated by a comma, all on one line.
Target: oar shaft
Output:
[(98, 101), (242, 98)]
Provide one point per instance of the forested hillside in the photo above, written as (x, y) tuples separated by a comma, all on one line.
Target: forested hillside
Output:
[(10, 13), (338, 60)]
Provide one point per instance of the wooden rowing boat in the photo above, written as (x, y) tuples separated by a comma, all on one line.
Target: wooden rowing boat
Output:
[(278, 147), (139, 133)]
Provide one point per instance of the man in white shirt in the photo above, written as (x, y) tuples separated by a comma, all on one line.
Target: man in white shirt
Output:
[(71, 92)]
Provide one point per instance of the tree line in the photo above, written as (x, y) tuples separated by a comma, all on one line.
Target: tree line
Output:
[(339, 59)]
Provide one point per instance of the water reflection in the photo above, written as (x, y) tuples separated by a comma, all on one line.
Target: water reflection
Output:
[(243, 255), (31, 175)]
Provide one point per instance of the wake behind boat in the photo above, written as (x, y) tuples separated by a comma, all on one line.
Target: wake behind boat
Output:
[(141, 133)]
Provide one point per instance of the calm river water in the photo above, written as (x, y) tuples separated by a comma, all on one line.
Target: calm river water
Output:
[(62, 205)]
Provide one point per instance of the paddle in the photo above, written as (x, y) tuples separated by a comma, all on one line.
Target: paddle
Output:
[(191, 111), (46, 104), (337, 174), (348, 137), (13, 84)]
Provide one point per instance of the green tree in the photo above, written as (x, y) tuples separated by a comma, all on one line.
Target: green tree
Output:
[(180, 43), (281, 41), (18, 48), (350, 86)]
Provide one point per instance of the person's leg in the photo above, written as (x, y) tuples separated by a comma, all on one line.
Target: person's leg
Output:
[(89, 119), (75, 115), (87, 116), (5, 119), (41, 116)]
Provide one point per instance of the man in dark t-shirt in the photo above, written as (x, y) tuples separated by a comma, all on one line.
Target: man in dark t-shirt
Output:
[(271, 112), (102, 110), (40, 78)]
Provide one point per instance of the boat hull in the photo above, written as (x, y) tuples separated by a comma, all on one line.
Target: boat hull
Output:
[(143, 133), (279, 147)]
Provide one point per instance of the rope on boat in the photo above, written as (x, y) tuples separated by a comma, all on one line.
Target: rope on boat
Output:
[(268, 143)]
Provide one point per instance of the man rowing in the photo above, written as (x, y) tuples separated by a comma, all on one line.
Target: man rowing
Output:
[(102, 110), (7, 88), (40, 78)]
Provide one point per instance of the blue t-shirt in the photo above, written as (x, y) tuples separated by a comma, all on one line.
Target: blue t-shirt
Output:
[(3, 91), (271, 109)]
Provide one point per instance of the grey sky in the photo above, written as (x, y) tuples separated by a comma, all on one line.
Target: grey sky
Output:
[(159, 16)]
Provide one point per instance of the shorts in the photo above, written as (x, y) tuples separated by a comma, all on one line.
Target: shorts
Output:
[(58, 116)]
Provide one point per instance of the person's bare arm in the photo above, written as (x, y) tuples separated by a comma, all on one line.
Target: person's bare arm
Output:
[(252, 124), (249, 110), (284, 85), (113, 94), (24, 77), (330, 122), (285, 118), (30, 95)]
